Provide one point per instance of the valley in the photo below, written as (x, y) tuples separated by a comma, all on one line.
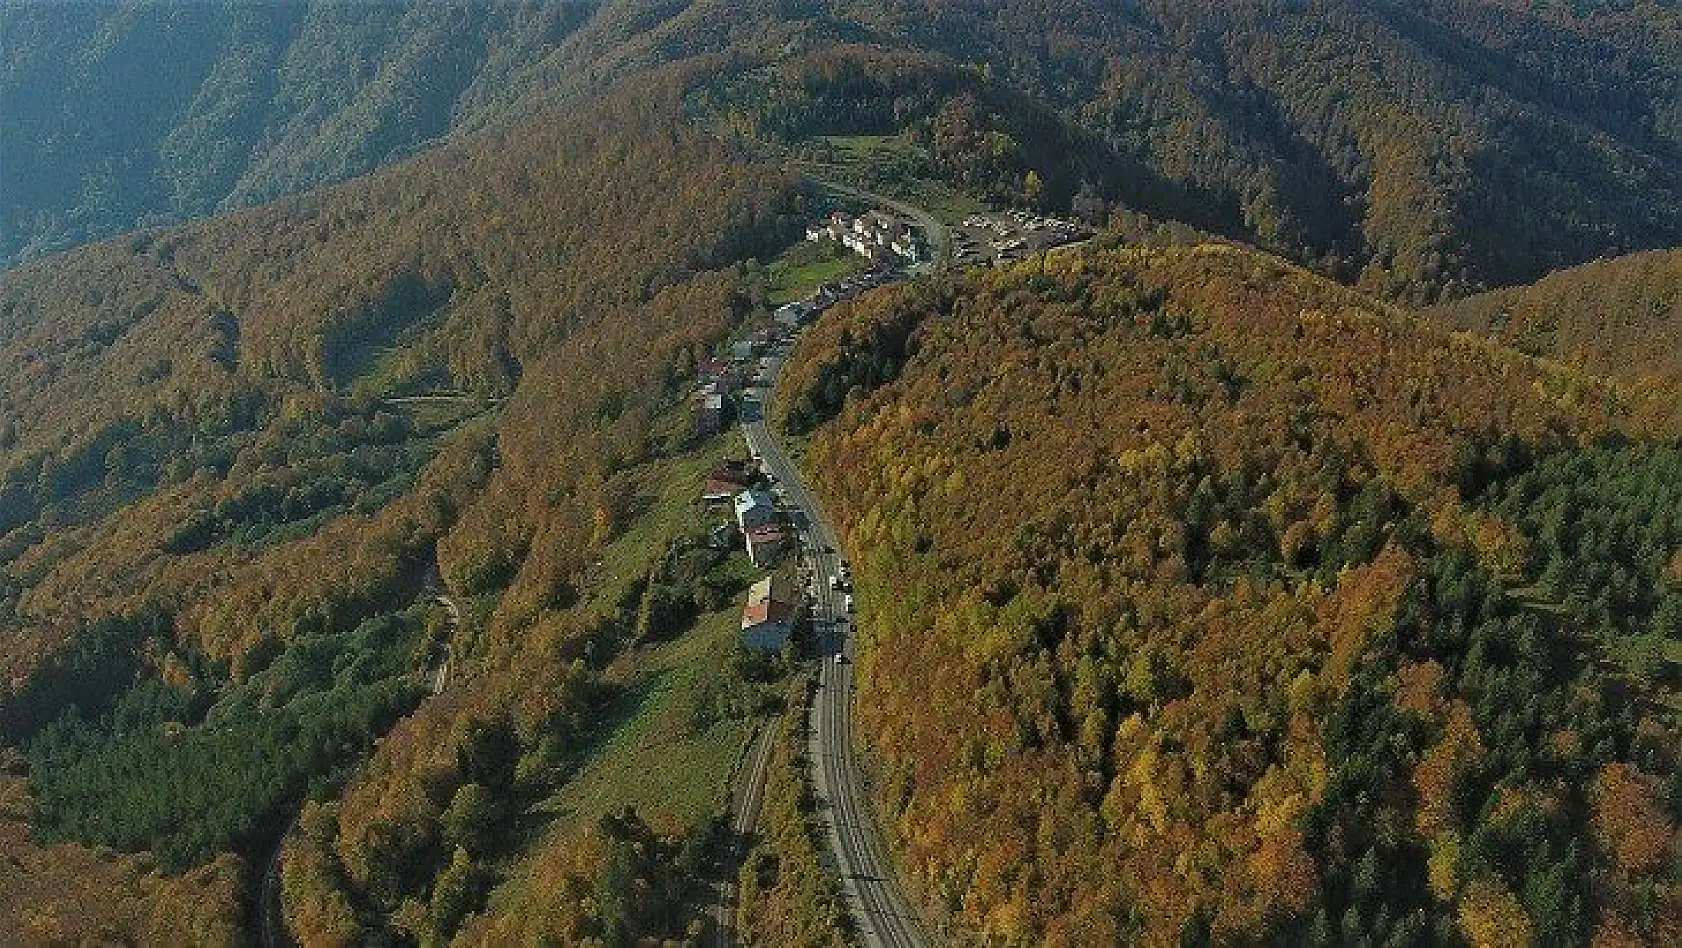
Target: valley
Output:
[(851, 473)]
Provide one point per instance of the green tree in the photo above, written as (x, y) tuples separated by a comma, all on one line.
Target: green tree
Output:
[(471, 817), (1033, 189), (454, 894)]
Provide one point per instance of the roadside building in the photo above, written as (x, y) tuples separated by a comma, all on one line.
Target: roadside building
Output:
[(725, 481), (754, 508), (793, 315), (765, 545), (719, 372), (709, 411), (768, 618)]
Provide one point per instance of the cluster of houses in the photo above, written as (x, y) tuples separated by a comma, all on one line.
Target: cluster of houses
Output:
[(768, 618), (719, 378), (748, 363), (792, 316), (756, 343), (774, 602), (883, 239)]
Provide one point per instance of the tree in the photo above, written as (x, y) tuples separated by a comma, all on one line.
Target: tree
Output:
[(453, 894), (470, 818), (1033, 189), (1492, 917)]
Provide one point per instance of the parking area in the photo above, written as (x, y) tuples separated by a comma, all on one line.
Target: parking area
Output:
[(1007, 236)]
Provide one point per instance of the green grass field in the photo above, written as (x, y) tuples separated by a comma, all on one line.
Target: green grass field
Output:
[(652, 750), (654, 760), (804, 267), (651, 756)]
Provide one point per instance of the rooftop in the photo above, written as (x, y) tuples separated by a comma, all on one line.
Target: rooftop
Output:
[(771, 610), (774, 588)]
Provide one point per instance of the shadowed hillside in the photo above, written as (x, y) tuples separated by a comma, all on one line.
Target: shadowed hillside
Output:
[(1419, 150)]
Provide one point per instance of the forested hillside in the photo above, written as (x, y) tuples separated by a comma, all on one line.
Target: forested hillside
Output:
[(219, 514), (1421, 150), (1418, 149), (1619, 317), (114, 115), (1206, 601)]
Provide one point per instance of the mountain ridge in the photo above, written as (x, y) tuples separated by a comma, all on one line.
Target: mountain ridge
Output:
[(1393, 146)]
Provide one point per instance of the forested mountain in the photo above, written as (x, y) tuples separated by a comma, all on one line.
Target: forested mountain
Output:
[(1207, 599), (217, 524), (1419, 149), (1416, 148), (120, 114), (1619, 317), (1208, 602)]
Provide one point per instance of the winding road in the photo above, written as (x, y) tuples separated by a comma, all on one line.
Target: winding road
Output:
[(940, 239), (873, 896)]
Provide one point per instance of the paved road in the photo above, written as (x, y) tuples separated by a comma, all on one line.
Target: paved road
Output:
[(940, 239), (872, 892)]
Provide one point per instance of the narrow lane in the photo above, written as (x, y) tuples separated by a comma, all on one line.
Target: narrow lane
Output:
[(745, 804)]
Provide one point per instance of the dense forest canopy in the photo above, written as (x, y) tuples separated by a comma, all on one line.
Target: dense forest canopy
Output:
[(1242, 609), (1421, 150), (1620, 317), (221, 516), (1204, 598)]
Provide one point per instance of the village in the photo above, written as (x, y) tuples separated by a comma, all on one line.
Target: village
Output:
[(879, 237), (747, 500)]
